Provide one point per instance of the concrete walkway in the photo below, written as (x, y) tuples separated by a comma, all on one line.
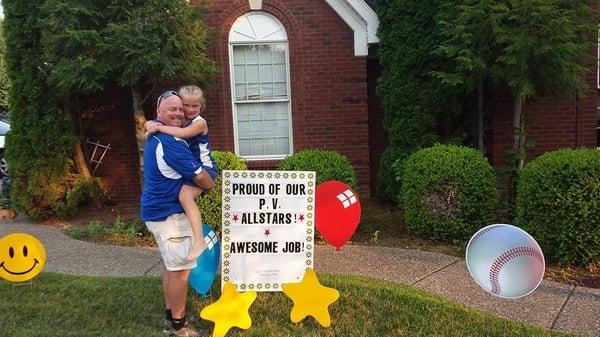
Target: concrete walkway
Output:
[(553, 305)]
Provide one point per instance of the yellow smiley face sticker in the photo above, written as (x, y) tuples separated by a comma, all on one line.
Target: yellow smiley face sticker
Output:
[(22, 257)]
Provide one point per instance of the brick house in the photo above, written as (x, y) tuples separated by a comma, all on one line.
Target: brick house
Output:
[(300, 74)]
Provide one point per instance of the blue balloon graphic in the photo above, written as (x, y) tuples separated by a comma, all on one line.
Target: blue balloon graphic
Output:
[(202, 277)]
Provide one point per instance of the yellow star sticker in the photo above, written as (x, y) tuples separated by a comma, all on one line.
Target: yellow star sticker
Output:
[(310, 298), (231, 309)]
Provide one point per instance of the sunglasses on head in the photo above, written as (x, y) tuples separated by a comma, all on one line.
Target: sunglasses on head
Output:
[(166, 94)]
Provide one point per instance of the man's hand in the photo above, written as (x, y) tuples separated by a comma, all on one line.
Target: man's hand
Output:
[(204, 181)]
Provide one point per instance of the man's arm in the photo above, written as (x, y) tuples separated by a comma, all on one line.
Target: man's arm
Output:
[(178, 156)]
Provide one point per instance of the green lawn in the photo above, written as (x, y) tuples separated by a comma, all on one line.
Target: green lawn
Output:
[(62, 305)]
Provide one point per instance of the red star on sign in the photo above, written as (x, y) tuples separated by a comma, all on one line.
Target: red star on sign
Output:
[(235, 217), (301, 217), (267, 232)]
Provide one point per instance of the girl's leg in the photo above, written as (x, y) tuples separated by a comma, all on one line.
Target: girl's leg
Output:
[(187, 198)]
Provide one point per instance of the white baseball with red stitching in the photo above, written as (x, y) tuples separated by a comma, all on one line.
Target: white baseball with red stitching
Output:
[(505, 261)]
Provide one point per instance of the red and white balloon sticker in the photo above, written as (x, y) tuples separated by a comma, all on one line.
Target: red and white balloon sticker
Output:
[(337, 212)]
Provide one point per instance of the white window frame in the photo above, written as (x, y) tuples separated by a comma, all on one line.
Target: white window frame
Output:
[(288, 84)]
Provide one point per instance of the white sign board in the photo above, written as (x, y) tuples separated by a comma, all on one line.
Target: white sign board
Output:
[(268, 228)]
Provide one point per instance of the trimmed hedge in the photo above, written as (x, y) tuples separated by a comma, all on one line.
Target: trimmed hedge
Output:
[(328, 165), (448, 192), (558, 203), (210, 204)]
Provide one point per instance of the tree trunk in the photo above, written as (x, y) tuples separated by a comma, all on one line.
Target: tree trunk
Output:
[(80, 162), (78, 156), (139, 120), (480, 118)]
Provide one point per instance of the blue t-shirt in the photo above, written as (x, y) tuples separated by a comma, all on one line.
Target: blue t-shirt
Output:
[(168, 161)]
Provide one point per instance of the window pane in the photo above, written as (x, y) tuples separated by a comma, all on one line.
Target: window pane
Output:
[(283, 145), (269, 127), (282, 128), (265, 55), (243, 129), (281, 111), (240, 74), (238, 55), (242, 112), (253, 92), (257, 146), (251, 54), (252, 73), (256, 129), (279, 90), (279, 73), (278, 53), (266, 90), (269, 111), (270, 146), (240, 92), (266, 74), (245, 147), (255, 112)]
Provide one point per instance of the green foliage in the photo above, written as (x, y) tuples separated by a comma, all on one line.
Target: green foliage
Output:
[(412, 97), (544, 51), (558, 203), (545, 46), (74, 44), (131, 43), (154, 40), (120, 232), (95, 230), (448, 192), (388, 187), (210, 204), (4, 82), (40, 142), (467, 41), (81, 193), (5, 193), (328, 165)]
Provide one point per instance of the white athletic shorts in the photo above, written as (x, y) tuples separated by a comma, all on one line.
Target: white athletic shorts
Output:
[(175, 240)]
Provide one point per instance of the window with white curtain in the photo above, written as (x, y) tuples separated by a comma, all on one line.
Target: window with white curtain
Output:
[(259, 62)]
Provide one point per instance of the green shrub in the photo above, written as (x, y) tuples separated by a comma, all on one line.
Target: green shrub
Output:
[(328, 165), (41, 139), (5, 193), (448, 192), (558, 203), (210, 204), (388, 187), (121, 232), (82, 192), (95, 230), (414, 101)]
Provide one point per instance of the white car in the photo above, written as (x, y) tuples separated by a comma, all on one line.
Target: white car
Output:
[(4, 128)]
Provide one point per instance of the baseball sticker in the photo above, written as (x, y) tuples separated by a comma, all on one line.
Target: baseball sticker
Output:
[(505, 261)]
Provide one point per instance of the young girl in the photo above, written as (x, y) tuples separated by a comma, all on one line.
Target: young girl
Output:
[(195, 132)]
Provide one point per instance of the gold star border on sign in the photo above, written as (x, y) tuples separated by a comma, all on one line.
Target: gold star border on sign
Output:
[(310, 299)]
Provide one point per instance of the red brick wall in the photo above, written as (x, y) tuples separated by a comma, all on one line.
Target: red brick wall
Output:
[(328, 83), (108, 119)]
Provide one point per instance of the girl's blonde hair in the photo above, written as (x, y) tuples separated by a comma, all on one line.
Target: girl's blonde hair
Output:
[(193, 91)]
